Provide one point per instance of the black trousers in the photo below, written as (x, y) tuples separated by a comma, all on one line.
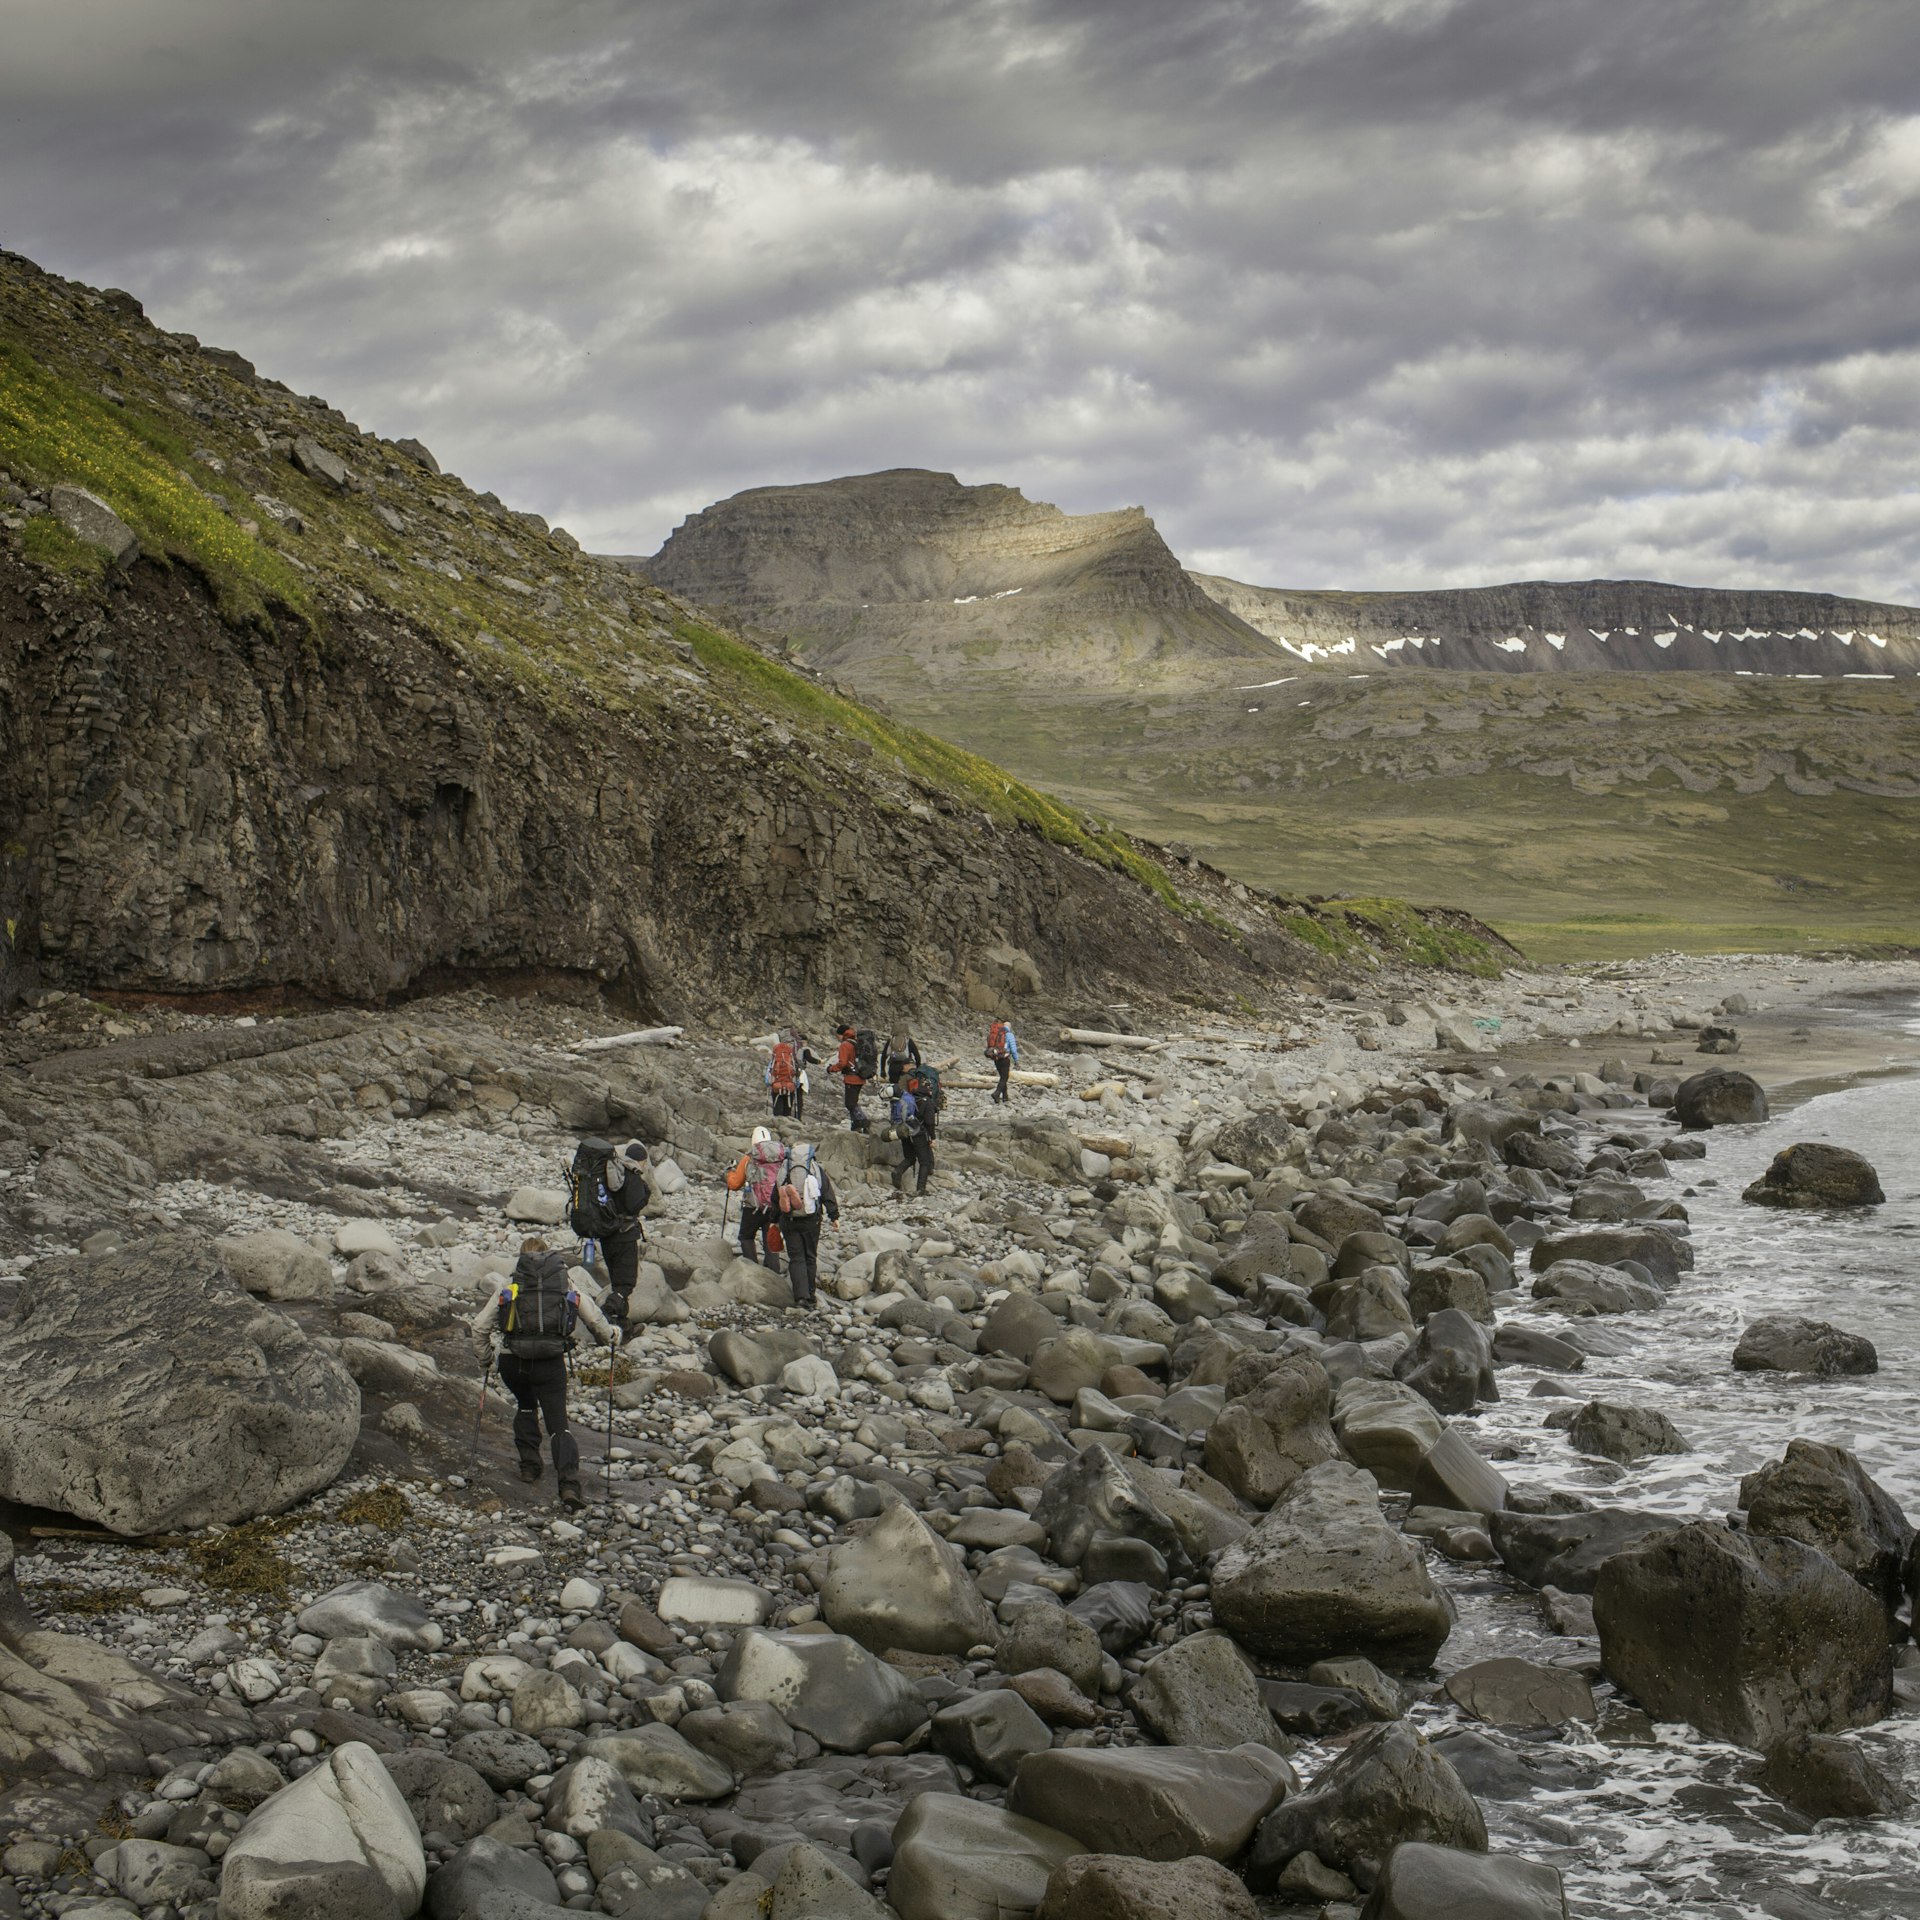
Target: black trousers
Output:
[(539, 1388), (621, 1252), (915, 1151), (754, 1222), (785, 1105), (802, 1231), (1002, 1065), (855, 1118)]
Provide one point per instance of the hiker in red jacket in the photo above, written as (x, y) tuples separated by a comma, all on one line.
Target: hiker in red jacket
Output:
[(856, 1063)]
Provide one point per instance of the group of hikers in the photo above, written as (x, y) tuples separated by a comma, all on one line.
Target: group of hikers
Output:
[(784, 1191)]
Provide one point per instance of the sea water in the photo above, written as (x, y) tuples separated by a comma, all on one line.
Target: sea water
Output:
[(1681, 1827)]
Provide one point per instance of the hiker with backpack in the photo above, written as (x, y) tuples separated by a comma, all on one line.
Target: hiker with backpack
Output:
[(857, 1062), (786, 1075), (529, 1325), (903, 1051), (916, 1120), (756, 1178), (806, 1195), (606, 1193), (1004, 1051)]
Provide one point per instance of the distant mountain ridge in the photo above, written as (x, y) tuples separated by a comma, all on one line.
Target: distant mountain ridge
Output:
[(911, 570), (1587, 626)]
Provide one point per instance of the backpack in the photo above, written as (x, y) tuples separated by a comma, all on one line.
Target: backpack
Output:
[(866, 1054), (905, 1112), (793, 1189), (537, 1308), (592, 1182), (923, 1083), (785, 1069), (764, 1166), (997, 1040)]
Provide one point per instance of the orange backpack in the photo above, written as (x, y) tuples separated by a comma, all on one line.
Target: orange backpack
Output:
[(786, 1069)]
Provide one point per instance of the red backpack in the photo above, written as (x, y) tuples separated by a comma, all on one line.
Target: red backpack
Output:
[(786, 1069), (997, 1039)]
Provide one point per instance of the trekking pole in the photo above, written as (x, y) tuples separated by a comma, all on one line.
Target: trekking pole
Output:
[(613, 1353), (479, 1412)]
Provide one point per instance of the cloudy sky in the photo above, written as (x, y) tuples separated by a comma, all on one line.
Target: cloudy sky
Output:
[(1345, 292)]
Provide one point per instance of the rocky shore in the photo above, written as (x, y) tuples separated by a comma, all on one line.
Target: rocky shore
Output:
[(1117, 1538)]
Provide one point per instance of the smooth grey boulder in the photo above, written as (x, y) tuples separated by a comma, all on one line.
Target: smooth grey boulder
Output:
[(1787, 1343), (338, 1841), (1624, 1434), (1584, 1289), (1109, 1886), (483, 1866), (1094, 1496), (1720, 1097), (809, 1883), (1813, 1175), (371, 1610), (1828, 1778), (899, 1584), (149, 1393), (1324, 1573), (1452, 1475), (589, 1796), (1120, 1612), (1423, 1882), (991, 1732), (87, 517), (1567, 1550), (1266, 1438), (1450, 1363), (1201, 1692), (1517, 1346), (1371, 1306), (1823, 1496), (277, 1265), (1664, 1256), (744, 1736), (1385, 1427), (1386, 1787), (1508, 1692), (759, 1358), (961, 1859), (1751, 1637), (825, 1685), (1158, 1803)]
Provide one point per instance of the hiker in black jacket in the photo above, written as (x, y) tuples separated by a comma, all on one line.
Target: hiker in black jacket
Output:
[(806, 1194), (620, 1244), (529, 1324)]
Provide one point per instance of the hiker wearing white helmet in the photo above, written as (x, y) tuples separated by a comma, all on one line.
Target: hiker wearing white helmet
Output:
[(755, 1177)]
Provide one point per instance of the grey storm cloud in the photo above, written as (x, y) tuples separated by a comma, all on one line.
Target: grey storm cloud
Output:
[(1345, 292)]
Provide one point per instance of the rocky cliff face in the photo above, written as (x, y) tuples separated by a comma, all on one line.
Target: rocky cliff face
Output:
[(1589, 626), (972, 579), (347, 728)]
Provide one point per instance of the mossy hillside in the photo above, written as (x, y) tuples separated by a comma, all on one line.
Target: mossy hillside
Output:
[(198, 457)]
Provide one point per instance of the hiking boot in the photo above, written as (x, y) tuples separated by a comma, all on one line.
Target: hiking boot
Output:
[(570, 1494), (530, 1470)]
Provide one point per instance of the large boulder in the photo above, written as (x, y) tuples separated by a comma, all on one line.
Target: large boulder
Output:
[(444, 1795), (485, 1865), (339, 1841), (277, 1265), (1624, 1434), (1109, 1886), (1815, 1175), (1720, 1097), (1094, 1497), (1789, 1343), (900, 1585), (1157, 1803), (1584, 1289), (1265, 1439), (1200, 1692), (150, 1393), (1751, 1637), (1662, 1255), (660, 1761), (1828, 1778), (990, 1732), (825, 1685), (1567, 1550), (1823, 1496), (1425, 1882), (1324, 1574), (1509, 1692), (1385, 1427), (1450, 1363), (958, 1859), (1387, 1786)]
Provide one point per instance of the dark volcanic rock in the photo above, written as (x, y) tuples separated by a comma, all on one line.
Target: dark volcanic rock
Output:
[(1828, 1778), (1423, 1882), (1567, 1550), (1786, 1343), (1823, 1496), (1751, 1637), (1624, 1434), (1720, 1097), (1814, 1175), (1388, 1786)]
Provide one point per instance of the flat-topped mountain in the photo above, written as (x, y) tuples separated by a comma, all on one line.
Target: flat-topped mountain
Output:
[(1584, 626), (910, 571)]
